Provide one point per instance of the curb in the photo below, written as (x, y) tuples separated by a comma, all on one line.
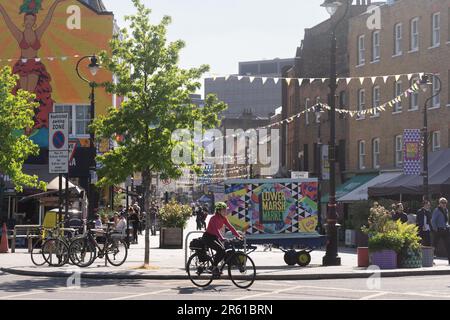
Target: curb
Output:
[(322, 276)]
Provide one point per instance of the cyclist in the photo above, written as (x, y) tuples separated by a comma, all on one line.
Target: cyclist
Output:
[(213, 236)]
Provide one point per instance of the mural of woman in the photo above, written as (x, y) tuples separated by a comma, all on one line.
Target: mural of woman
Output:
[(32, 72)]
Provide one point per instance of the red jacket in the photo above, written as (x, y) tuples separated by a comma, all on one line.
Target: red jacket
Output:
[(215, 225)]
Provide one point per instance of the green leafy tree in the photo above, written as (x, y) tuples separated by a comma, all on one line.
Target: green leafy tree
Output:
[(16, 114), (157, 102)]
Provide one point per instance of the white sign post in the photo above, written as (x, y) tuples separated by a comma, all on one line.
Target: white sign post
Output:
[(58, 141)]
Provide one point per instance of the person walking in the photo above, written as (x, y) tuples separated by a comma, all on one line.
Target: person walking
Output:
[(439, 222), (400, 214), (199, 218), (423, 223), (134, 219)]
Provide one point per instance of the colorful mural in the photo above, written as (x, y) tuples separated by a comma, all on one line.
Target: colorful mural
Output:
[(274, 207), (44, 42)]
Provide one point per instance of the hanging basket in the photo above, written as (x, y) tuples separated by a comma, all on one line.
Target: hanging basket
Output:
[(385, 259)]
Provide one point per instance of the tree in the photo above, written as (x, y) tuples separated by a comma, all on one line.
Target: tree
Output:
[(157, 102), (16, 114)]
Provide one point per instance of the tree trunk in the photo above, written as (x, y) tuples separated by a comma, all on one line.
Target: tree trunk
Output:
[(146, 184), (2, 187)]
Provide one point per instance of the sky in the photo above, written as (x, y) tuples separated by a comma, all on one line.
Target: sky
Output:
[(221, 33)]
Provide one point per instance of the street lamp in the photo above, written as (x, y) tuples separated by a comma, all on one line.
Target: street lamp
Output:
[(331, 256), (318, 110), (93, 68), (425, 82)]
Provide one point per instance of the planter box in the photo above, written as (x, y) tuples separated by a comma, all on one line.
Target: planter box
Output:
[(385, 259), (171, 238), (362, 239), (410, 259), (363, 257), (427, 257)]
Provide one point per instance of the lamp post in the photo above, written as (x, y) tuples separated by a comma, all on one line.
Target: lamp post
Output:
[(331, 256), (318, 110), (425, 82), (93, 68)]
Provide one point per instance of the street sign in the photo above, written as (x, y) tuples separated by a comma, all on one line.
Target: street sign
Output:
[(72, 148), (58, 141), (58, 131), (58, 162)]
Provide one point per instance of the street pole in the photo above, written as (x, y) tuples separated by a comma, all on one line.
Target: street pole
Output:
[(331, 256), (319, 174), (424, 83)]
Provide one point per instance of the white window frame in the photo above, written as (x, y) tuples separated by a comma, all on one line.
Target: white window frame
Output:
[(376, 153), (361, 154), (376, 100), (436, 30), (414, 34), (398, 151), (398, 31), (436, 141), (306, 111), (361, 50), (72, 133), (436, 101), (414, 98), (376, 51), (361, 103), (398, 108)]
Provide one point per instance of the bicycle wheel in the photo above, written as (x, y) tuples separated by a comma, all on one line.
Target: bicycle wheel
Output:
[(242, 270), (116, 252), (82, 252), (37, 256), (55, 252), (199, 269)]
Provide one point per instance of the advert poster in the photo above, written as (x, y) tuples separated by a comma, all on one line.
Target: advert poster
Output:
[(273, 207), (412, 161)]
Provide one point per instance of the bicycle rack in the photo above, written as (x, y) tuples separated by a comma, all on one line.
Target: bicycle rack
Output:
[(186, 246)]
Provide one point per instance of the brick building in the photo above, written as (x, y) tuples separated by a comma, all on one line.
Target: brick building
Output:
[(414, 37), (299, 152)]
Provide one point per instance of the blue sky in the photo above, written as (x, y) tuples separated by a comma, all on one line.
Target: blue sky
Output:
[(223, 32)]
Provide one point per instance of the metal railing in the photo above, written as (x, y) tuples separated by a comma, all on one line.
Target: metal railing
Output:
[(28, 235), (186, 245)]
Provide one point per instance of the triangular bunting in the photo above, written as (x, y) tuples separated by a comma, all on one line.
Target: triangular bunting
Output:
[(348, 80), (239, 78), (410, 76), (263, 79), (251, 79), (397, 77), (373, 79), (288, 81), (385, 78), (275, 80), (361, 80)]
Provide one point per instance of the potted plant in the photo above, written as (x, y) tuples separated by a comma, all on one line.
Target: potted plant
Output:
[(384, 248), (411, 252), (173, 219)]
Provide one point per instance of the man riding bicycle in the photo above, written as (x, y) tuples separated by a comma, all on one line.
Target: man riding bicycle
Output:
[(213, 236)]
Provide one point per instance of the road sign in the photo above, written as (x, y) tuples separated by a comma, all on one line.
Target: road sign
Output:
[(299, 175), (58, 162), (72, 148), (58, 131)]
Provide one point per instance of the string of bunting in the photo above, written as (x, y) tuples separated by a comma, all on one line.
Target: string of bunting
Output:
[(25, 60), (299, 81)]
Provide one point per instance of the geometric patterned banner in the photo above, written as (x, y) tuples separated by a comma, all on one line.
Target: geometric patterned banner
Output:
[(412, 162), (272, 207)]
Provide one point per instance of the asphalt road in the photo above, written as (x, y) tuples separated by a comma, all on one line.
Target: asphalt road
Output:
[(14, 287)]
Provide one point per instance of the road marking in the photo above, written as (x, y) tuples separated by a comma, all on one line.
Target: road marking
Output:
[(374, 296), (141, 294), (21, 295), (268, 293)]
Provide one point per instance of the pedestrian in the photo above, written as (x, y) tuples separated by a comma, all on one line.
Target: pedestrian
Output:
[(153, 213), (203, 220), (134, 219), (98, 222), (439, 222), (400, 214), (423, 222), (199, 218)]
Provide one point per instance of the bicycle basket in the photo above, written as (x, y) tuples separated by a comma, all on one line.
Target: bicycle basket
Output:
[(197, 244)]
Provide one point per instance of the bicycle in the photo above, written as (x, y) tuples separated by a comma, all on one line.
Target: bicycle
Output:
[(83, 250), (241, 268)]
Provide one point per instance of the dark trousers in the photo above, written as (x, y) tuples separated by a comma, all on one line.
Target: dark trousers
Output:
[(135, 231), (426, 238), (444, 235), (214, 243), (199, 224)]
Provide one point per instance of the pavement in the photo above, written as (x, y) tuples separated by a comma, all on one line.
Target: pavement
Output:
[(168, 264)]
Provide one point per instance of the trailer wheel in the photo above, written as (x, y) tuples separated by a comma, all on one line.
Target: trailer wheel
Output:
[(303, 258), (290, 257)]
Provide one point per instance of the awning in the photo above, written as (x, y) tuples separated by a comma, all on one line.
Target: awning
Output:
[(349, 186), (439, 179), (41, 170), (361, 193)]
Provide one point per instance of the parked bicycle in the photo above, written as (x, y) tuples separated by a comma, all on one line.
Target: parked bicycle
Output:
[(85, 249), (52, 247), (241, 268)]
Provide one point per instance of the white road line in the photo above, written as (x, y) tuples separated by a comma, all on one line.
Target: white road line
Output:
[(142, 294), (20, 295), (268, 293), (374, 296)]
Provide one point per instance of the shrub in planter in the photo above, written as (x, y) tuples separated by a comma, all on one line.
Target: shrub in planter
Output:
[(173, 219), (411, 253), (384, 247)]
